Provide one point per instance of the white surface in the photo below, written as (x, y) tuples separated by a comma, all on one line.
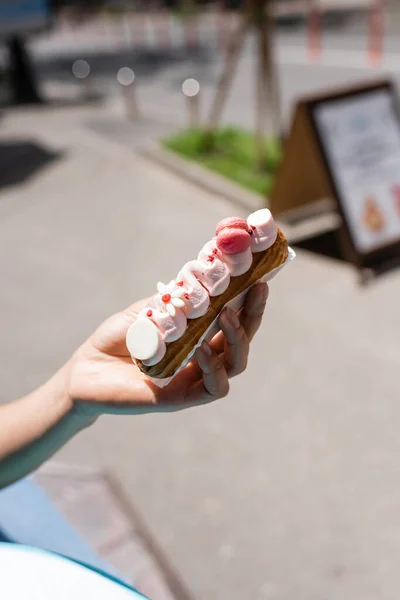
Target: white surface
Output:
[(32, 574), (361, 136)]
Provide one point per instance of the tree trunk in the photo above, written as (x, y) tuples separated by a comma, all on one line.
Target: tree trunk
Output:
[(272, 80), (22, 77), (261, 74), (267, 115), (189, 24), (226, 77), (267, 107)]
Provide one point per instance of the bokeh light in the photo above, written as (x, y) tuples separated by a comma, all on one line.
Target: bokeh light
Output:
[(190, 87), (81, 69), (125, 76)]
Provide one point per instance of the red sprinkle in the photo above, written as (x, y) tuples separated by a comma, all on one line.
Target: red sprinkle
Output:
[(149, 313), (180, 283), (186, 296), (166, 298), (211, 258), (215, 251)]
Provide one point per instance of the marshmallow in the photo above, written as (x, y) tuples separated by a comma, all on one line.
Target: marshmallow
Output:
[(143, 340), (264, 230)]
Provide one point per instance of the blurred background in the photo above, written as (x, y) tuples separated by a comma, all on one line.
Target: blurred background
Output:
[(290, 487)]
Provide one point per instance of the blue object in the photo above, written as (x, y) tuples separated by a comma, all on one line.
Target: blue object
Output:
[(24, 16), (27, 516)]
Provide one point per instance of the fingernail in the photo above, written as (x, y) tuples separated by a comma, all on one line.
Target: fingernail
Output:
[(202, 360), (263, 292), (206, 348), (232, 318)]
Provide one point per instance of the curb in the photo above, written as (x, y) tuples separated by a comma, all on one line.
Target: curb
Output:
[(297, 225), (116, 530), (202, 177)]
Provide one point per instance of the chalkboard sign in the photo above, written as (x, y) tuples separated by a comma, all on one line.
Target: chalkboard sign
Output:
[(351, 143)]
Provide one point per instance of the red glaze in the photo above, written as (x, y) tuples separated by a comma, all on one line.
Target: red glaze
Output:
[(149, 313), (233, 241), (166, 298), (180, 283)]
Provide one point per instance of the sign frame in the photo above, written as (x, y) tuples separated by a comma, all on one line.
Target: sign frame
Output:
[(385, 253)]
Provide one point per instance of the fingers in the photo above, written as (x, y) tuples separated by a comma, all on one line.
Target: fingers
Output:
[(207, 379), (237, 344), (253, 309), (250, 316), (214, 383), (109, 337)]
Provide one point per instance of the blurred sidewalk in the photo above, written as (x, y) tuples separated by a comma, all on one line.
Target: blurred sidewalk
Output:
[(163, 29), (290, 487)]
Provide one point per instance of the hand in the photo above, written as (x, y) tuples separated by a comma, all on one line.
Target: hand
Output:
[(102, 377)]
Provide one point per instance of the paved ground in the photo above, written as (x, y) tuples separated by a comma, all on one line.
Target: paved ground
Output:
[(290, 487), (94, 505)]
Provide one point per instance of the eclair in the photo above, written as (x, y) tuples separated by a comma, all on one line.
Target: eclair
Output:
[(166, 331)]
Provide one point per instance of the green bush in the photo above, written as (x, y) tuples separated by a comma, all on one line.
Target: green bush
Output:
[(232, 153)]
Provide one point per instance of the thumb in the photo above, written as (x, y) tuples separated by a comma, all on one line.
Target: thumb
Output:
[(135, 308), (110, 336)]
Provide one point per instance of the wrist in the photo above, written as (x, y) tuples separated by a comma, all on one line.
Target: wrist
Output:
[(54, 395), (56, 391), (38, 425)]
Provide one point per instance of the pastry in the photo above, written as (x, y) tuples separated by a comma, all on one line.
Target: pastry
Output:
[(175, 320)]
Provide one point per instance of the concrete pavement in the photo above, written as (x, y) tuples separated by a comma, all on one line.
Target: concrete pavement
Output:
[(290, 487)]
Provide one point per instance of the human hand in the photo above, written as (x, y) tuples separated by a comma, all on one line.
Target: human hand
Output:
[(102, 377)]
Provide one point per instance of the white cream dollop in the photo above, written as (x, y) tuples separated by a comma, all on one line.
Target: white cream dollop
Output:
[(264, 230), (188, 297)]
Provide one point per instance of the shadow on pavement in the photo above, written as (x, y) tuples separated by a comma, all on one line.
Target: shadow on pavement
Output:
[(20, 160), (324, 244), (327, 244)]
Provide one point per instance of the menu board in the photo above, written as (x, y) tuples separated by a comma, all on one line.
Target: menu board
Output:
[(359, 135)]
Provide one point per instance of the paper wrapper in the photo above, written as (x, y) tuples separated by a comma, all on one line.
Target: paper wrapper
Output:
[(235, 304)]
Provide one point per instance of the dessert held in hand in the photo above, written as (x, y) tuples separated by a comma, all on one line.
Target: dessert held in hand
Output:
[(177, 317)]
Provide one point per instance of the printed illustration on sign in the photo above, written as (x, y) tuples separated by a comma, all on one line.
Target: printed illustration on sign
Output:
[(373, 217)]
